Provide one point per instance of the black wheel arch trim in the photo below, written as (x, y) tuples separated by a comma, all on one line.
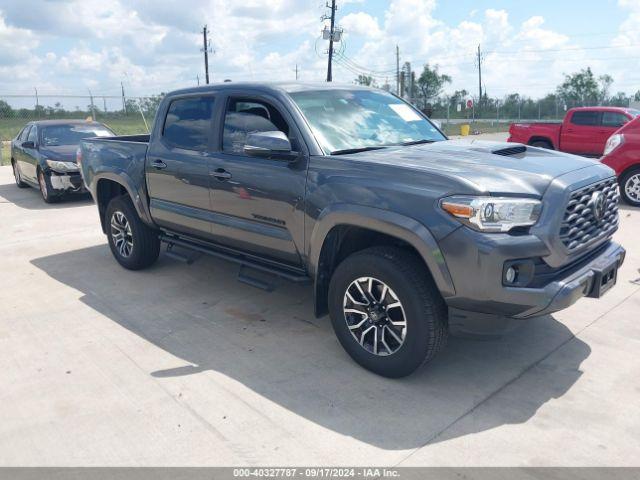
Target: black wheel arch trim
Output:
[(138, 198), (387, 222)]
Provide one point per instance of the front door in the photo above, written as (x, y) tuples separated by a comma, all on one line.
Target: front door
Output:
[(177, 166), (257, 203), (29, 166)]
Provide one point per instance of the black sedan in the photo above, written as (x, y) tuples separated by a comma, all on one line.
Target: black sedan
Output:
[(43, 155)]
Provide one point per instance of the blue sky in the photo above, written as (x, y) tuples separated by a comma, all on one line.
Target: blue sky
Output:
[(71, 46)]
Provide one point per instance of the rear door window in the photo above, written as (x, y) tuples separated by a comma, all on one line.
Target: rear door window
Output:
[(587, 118), (188, 123), (614, 119)]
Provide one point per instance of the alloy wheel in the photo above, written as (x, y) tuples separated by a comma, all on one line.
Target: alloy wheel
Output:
[(121, 234), (43, 185), (632, 187), (375, 316), (16, 174)]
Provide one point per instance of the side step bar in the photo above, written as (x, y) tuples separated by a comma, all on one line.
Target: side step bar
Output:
[(223, 253)]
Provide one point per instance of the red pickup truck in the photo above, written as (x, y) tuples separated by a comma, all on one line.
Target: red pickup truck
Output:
[(584, 131), (622, 153)]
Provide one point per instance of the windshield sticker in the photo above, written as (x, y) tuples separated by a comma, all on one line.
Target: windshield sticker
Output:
[(405, 112)]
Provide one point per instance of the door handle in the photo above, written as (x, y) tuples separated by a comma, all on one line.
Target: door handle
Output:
[(221, 174), (158, 165)]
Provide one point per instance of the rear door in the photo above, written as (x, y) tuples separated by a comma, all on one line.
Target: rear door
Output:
[(580, 135), (257, 203), (177, 166)]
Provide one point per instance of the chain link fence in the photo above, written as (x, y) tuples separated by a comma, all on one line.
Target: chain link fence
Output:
[(124, 115)]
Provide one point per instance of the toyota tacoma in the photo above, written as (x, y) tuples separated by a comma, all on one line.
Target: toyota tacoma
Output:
[(403, 234)]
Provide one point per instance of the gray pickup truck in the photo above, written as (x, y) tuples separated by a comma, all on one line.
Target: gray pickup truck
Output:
[(404, 234)]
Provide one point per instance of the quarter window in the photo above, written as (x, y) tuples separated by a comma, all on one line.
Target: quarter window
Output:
[(245, 116), (613, 119), (585, 118), (188, 123)]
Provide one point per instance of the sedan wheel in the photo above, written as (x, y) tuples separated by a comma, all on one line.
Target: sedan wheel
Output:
[(17, 176)]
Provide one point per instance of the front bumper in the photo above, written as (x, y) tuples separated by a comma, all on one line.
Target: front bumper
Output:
[(67, 182), (476, 262)]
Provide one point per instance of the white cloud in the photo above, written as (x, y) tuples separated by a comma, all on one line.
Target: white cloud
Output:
[(155, 46)]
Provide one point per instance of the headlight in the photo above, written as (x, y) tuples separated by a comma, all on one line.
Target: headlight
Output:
[(62, 167), (493, 214), (614, 142)]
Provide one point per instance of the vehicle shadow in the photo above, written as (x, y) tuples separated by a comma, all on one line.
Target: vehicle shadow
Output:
[(272, 344), (30, 198)]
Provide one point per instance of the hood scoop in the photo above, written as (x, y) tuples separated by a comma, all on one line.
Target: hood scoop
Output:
[(506, 152)]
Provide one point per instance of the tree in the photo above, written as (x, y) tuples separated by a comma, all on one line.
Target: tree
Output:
[(5, 109), (580, 88), (605, 83), (366, 80), (430, 84)]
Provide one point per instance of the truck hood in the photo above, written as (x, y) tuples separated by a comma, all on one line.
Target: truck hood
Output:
[(519, 169), (61, 153)]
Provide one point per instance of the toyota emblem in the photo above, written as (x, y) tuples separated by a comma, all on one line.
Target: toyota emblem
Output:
[(597, 205)]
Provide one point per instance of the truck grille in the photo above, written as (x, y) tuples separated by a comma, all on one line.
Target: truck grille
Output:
[(580, 227)]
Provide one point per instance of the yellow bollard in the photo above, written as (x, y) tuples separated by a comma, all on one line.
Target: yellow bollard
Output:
[(464, 129)]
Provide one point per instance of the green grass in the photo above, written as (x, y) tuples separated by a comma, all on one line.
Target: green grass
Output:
[(9, 128)]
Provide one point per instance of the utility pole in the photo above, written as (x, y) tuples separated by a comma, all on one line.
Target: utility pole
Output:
[(124, 103), (397, 70), (479, 82), (331, 34), (206, 48), (198, 79), (104, 103), (93, 110), (296, 72), (37, 100)]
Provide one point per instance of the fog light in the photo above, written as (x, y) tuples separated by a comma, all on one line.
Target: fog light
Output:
[(511, 274)]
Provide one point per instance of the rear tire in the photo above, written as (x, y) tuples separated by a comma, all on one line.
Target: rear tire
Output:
[(630, 187), (542, 144), (133, 243), (17, 175), (411, 297)]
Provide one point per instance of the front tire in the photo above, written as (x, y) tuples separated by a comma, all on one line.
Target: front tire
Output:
[(17, 175), (46, 190), (630, 187), (133, 243), (386, 311)]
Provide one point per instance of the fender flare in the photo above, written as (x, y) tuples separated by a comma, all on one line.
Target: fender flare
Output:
[(137, 196), (384, 221)]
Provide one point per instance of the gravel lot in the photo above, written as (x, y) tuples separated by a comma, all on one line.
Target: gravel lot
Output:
[(182, 365)]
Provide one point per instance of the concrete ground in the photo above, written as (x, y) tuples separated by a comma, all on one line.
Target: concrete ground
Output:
[(182, 365)]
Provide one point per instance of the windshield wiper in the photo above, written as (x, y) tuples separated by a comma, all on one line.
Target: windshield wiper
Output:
[(346, 151), (417, 142)]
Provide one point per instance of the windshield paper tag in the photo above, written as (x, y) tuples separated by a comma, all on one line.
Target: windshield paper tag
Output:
[(405, 112)]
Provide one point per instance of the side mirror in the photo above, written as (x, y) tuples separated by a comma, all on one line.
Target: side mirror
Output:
[(269, 144), (28, 145)]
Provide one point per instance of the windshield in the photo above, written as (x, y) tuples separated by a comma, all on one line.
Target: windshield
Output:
[(634, 112), (72, 134), (357, 119)]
